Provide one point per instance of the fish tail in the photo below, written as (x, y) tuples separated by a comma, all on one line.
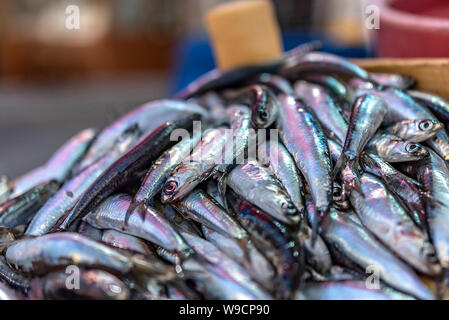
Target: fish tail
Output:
[(132, 206), (341, 162)]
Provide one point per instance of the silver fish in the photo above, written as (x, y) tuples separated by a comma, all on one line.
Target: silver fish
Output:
[(367, 115), (277, 158), (251, 258), (197, 167), (161, 169), (304, 139), (415, 130), (386, 217), (257, 185), (325, 108), (433, 174), (147, 117), (403, 107), (355, 247), (55, 208), (317, 254), (38, 255), (336, 87), (406, 188), (202, 208), (111, 213), (393, 149), (236, 280)]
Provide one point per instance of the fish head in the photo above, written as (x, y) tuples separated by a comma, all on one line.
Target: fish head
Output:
[(428, 127), (416, 151), (264, 110), (181, 182)]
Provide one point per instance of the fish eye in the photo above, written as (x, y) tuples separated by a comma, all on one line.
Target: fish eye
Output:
[(264, 115), (424, 125), (412, 147), (170, 187)]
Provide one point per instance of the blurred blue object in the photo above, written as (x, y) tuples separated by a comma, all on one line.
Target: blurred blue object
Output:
[(194, 56)]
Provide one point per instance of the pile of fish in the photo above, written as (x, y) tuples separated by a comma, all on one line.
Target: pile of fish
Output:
[(308, 178)]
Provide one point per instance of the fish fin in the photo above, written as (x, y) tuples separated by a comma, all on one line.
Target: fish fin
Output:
[(132, 206), (339, 165)]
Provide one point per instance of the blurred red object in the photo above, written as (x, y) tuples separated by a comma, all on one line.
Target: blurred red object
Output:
[(412, 29)]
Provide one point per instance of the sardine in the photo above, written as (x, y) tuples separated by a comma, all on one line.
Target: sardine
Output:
[(126, 241), (415, 130), (353, 246), (387, 219), (367, 115), (304, 139), (395, 80), (202, 208), (433, 174), (67, 196), (197, 167), (111, 213), (259, 186), (394, 149), (147, 117), (438, 105), (277, 158), (325, 108), (128, 167)]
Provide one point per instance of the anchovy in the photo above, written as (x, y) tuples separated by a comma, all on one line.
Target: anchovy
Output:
[(197, 167), (280, 162), (398, 81), (91, 284), (200, 207), (406, 188), (275, 241), (394, 149), (54, 209), (147, 149), (262, 102), (304, 139), (415, 130), (257, 185), (232, 274), (403, 107), (320, 62), (111, 213), (251, 258), (433, 174), (325, 108), (367, 115), (56, 250), (147, 117), (438, 105), (161, 170), (353, 246), (20, 210), (386, 217)]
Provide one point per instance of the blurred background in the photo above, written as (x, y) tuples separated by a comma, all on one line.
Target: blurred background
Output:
[(55, 82)]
